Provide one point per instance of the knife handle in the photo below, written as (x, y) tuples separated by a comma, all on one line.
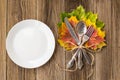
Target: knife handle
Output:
[(86, 56), (80, 61), (71, 30), (72, 61)]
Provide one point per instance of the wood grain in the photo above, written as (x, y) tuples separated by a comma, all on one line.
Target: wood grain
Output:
[(13, 16), (19, 10), (2, 39), (48, 12), (115, 33), (85, 72), (107, 65), (79, 74), (29, 11), (104, 72)]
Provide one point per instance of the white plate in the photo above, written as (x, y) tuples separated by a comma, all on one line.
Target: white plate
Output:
[(30, 43)]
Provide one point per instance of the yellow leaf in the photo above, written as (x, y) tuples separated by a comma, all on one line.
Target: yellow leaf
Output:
[(101, 45), (101, 33), (89, 23), (66, 45), (61, 42), (73, 18)]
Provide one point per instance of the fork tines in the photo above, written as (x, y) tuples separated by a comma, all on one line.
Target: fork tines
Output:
[(89, 31)]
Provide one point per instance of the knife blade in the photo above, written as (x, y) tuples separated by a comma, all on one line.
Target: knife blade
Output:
[(71, 30)]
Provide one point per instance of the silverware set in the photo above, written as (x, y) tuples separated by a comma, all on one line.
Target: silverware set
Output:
[(83, 35)]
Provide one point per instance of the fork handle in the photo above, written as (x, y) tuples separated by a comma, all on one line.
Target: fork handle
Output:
[(84, 39)]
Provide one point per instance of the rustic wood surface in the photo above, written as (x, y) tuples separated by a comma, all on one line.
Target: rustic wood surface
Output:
[(107, 65)]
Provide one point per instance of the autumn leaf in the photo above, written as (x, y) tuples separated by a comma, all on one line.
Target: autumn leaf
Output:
[(95, 41), (90, 19), (65, 39)]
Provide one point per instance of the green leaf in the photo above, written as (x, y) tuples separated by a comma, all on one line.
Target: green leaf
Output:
[(63, 15), (88, 14), (91, 16), (79, 12), (74, 13), (59, 24), (99, 24)]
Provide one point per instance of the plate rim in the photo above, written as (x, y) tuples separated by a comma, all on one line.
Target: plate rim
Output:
[(47, 59)]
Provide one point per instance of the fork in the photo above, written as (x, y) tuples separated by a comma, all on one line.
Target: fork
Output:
[(85, 38), (87, 35)]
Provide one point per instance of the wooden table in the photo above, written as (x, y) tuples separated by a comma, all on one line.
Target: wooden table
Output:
[(107, 62)]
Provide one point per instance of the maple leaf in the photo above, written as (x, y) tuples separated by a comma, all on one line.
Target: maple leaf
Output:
[(96, 40), (65, 39)]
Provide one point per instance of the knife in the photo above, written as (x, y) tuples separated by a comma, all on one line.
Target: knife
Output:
[(71, 30), (87, 57), (80, 61), (72, 60)]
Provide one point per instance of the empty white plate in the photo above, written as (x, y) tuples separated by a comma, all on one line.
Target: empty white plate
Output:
[(30, 43)]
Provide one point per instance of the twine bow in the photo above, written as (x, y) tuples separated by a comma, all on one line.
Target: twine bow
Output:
[(88, 51), (82, 47)]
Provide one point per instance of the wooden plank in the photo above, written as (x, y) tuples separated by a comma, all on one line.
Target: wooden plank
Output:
[(2, 39), (19, 10), (104, 59), (116, 10), (13, 16), (49, 12), (107, 61), (30, 74), (29, 11), (79, 74), (89, 5), (115, 29)]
